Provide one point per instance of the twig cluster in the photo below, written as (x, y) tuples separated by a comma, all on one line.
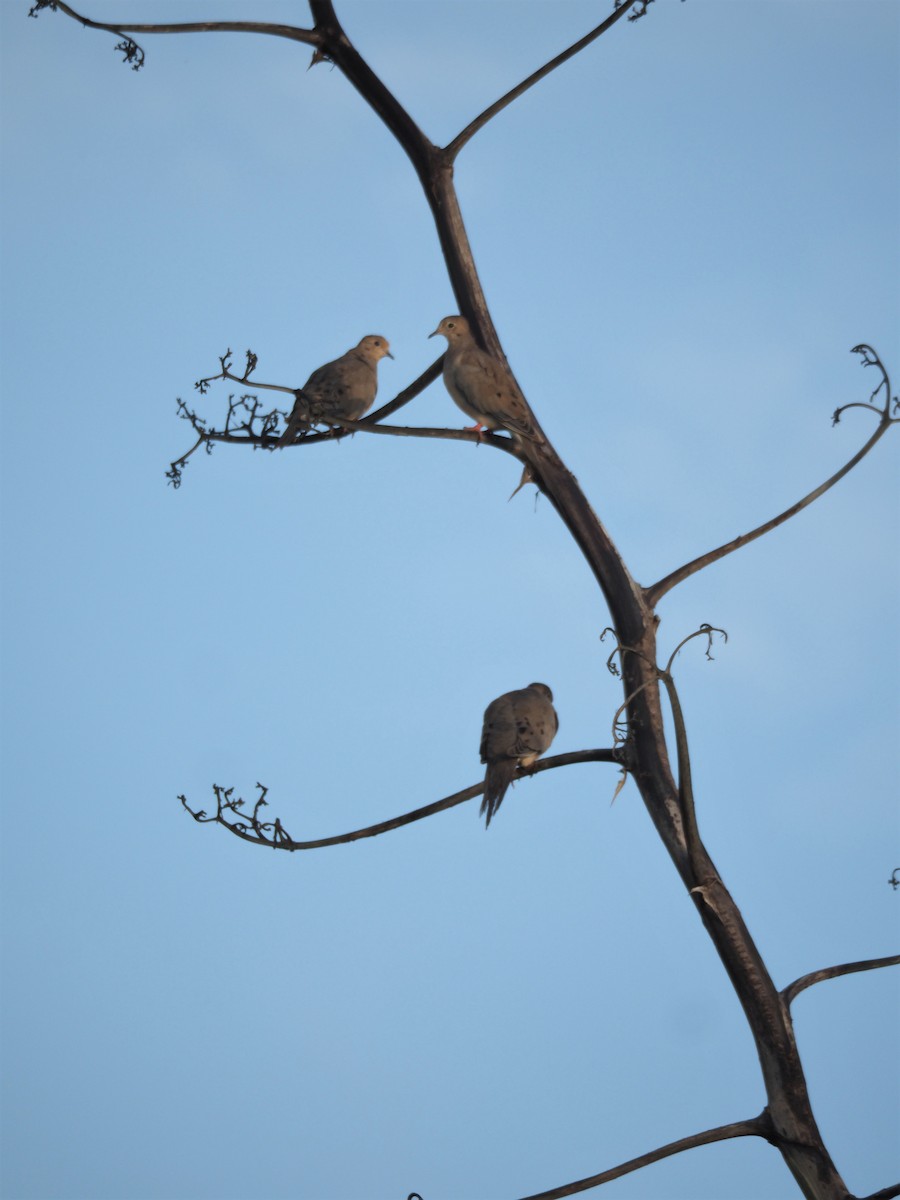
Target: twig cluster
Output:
[(249, 423)]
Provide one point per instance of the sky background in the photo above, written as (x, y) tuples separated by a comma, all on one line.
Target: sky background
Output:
[(681, 233)]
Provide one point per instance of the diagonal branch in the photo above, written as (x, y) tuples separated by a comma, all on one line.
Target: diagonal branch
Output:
[(794, 989), (760, 1126), (655, 593), (482, 119), (418, 385), (247, 433), (888, 1193), (250, 828)]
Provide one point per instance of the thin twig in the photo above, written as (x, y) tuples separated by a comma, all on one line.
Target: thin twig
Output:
[(418, 385), (887, 1193), (252, 830), (759, 1127), (174, 472), (309, 36), (654, 594), (497, 441), (790, 993), (482, 119)]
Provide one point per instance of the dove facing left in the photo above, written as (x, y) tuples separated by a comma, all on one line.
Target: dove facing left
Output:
[(480, 384), (343, 390)]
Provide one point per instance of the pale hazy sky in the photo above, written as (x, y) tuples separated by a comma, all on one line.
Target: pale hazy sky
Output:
[(681, 233)]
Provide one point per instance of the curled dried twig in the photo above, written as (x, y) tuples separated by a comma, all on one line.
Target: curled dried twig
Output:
[(621, 729)]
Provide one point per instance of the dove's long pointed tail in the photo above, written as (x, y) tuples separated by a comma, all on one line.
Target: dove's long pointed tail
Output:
[(297, 421), (497, 779)]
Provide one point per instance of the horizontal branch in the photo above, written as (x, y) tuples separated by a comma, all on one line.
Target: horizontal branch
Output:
[(348, 428), (482, 119), (790, 993), (655, 593), (253, 830), (759, 1127), (309, 36)]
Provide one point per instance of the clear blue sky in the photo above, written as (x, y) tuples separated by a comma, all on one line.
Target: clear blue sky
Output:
[(681, 233)]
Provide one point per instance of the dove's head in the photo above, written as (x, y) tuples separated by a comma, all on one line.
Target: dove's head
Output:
[(374, 347), (453, 328), (543, 689)]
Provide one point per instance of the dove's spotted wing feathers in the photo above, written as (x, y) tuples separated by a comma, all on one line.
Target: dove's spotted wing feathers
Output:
[(518, 728), (343, 390), (479, 384)]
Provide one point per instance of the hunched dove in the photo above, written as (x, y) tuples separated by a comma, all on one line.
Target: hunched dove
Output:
[(479, 384), (343, 390), (518, 727)]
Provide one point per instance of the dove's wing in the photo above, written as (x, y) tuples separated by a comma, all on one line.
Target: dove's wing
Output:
[(518, 727)]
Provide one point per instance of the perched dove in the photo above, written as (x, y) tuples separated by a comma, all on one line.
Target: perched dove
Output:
[(343, 390), (479, 384), (518, 727)]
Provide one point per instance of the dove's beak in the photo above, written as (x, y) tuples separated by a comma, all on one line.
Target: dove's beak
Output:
[(388, 354)]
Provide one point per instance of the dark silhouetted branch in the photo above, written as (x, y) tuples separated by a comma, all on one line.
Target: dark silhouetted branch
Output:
[(887, 1193), (247, 424), (655, 593), (760, 1126), (175, 469), (135, 55), (250, 828), (793, 990), (454, 147)]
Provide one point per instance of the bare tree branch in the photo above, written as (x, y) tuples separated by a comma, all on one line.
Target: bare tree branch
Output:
[(258, 428), (175, 469), (453, 148), (887, 1193), (135, 56), (788, 1121), (250, 828), (794, 989), (655, 593), (760, 1126)]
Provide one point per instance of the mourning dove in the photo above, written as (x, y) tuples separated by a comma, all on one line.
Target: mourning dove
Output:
[(339, 391), (480, 384), (518, 727)]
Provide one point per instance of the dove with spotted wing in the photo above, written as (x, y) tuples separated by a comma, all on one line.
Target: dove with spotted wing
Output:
[(480, 384), (343, 390), (518, 728)]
